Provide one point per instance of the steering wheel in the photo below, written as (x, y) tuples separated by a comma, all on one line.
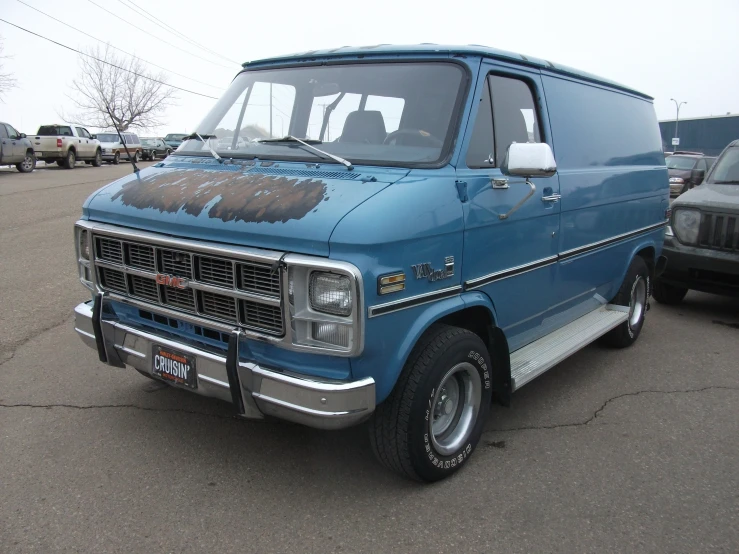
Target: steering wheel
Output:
[(413, 133)]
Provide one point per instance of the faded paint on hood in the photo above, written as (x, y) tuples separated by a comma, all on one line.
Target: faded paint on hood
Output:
[(236, 204)]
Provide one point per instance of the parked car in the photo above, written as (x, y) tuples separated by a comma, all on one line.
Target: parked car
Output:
[(16, 149), (113, 149), (153, 148), (173, 140), (702, 241), (680, 166), (66, 145), (405, 273)]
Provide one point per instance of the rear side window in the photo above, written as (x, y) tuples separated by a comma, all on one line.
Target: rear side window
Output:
[(507, 114), (3, 132)]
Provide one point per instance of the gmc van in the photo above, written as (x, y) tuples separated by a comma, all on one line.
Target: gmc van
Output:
[(420, 231)]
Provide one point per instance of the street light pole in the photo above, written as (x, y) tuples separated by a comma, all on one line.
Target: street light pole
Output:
[(677, 119)]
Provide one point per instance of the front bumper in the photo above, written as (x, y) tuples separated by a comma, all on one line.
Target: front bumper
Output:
[(255, 391), (702, 269), (676, 189)]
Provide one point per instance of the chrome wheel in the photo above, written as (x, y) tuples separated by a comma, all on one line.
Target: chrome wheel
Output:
[(638, 301), (455, 407), (27, 163)]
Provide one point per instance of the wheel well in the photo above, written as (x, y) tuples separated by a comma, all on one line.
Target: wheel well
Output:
[(72, 148), (479, 320), (648, 255), (29, 151)]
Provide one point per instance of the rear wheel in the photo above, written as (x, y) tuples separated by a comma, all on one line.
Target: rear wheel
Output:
[(136, 156), (117, 158), (28, 164), (634, 293), (69, 160), (98, 159), (665, 293), (432, 421)]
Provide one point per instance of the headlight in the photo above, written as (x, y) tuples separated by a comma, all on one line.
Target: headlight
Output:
[(324, 306), (686, 225), (676, 180), (82, 249), (330, 293)]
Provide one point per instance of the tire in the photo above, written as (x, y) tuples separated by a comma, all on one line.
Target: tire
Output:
[(97, 161), (634, 293), (417, 432), (665, 293), (117, 158), (168, 153), (28, 164), (70, 160), (136, 157)]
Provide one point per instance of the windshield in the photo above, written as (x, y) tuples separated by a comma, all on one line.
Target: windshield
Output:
[(726, 170), (108, 137), (680, 162), (175, 137), (380, 113), (149, 142)]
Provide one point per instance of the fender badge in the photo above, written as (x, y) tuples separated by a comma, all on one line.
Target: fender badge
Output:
[(425, 271)]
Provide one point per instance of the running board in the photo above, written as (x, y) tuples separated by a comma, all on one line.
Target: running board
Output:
[(534, 359)]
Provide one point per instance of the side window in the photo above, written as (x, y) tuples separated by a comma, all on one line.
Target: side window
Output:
[(135, 139), (12, 133), (514, 114), (390, 108), (65, 131), (481, 148), (3, 131), (80, 132)]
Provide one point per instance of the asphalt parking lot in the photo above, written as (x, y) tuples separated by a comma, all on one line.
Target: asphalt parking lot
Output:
[(631, 450)]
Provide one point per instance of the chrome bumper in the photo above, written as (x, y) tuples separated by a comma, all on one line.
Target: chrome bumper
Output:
[(254, 390)]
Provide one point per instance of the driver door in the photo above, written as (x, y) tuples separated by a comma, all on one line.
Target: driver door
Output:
[(511, 230)]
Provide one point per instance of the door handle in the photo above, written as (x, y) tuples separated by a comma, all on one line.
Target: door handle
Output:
[(551, 198)]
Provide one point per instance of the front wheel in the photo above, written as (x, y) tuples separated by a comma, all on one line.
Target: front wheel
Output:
[(136, 157), (28, 164), (98, 159), (433, 419), (634, 293)]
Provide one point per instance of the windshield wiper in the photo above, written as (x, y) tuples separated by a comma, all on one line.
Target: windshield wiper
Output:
[(309, 143), (206, 141)]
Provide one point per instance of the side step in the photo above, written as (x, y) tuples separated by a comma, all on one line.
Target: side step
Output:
[(534, 359)]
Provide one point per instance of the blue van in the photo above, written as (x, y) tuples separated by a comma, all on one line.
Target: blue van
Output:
[(390, 235)]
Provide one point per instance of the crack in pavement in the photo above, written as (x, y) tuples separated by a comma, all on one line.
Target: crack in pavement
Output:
[(15, 346), (597, 412)]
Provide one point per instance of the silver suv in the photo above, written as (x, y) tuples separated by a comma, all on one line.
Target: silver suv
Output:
[(113, 149)]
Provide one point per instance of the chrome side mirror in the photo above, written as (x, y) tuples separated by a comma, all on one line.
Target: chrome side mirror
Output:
[(529, 159)]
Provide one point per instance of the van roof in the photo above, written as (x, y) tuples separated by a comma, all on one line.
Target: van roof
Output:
[(445, 50)]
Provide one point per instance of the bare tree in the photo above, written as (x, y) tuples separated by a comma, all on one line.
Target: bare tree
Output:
[(6, 79), (134, 96)]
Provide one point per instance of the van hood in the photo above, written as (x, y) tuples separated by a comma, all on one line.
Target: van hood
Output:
[(719, 197), (289, 207)]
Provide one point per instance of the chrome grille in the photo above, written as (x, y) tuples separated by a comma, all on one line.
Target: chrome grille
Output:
[(261, 316), (216, 271), (180, 298), (248, 293), (218, 305), (144, 287), (259, 278), (719, 232), (174, 262), (109, 250), (140, 256), (112, 279)]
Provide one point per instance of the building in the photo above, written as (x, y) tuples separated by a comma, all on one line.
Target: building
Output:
[(709, 135)]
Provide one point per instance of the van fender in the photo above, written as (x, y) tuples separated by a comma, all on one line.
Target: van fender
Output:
[(639, 245)]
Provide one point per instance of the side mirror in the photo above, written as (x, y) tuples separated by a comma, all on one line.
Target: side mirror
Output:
[(23, 135), (697, 176), (529, 159), (94, 137)]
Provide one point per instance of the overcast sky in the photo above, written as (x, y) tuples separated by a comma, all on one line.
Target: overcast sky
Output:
[(678, 49)]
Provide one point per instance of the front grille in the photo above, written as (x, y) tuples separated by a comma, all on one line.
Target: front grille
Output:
[(218, 305), (719, 232), (261, 316), (131, 268), (259, 278)]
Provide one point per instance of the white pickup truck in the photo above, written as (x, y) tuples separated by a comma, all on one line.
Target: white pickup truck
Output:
[(65, 145)]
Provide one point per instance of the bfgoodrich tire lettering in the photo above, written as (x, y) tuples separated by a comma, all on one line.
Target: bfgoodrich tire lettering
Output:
[(402, 428)]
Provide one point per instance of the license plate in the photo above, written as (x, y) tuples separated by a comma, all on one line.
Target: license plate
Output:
[(174, 367)]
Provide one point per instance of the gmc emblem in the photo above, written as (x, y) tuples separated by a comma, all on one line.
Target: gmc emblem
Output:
[(172, 281)]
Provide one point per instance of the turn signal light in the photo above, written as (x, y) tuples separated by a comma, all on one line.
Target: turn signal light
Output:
[(391, 283)]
